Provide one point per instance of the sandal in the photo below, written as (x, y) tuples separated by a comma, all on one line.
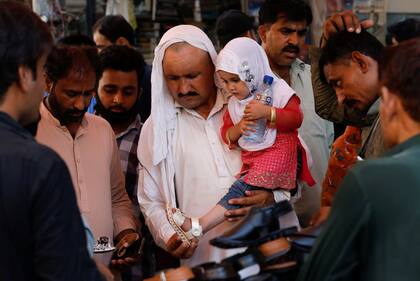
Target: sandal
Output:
[(177, 218)]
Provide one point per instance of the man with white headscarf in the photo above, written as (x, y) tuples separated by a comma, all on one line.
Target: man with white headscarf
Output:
[(184, 161)]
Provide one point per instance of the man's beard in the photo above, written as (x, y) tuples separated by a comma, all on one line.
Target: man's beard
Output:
[(113, 117), (65, 116)]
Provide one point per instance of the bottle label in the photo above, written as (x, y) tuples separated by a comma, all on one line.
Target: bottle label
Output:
[(263, 99)]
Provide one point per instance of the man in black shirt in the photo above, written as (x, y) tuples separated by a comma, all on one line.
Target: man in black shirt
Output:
[(41, 231)]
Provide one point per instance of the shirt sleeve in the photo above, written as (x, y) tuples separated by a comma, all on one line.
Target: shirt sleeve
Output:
[(336, 253), (60, 251), (227, 124), (289, 118)]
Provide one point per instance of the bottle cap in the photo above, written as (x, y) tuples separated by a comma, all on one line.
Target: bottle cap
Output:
[(268, 79)]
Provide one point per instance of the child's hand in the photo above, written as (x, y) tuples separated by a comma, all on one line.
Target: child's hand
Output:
[(256, 110), (246, 127)]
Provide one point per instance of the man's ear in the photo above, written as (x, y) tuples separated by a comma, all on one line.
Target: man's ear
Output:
[(389, 103), (48, 83), (122, 42), (262, 32), (361, 60), (26, 78)]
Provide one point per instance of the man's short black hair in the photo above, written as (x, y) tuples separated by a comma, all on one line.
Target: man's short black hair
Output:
[(114, 27), (64, 58), (24, 38), (292, 10), (342, 44), (405, 30), (122, 58), (232, 24), (77, 39)]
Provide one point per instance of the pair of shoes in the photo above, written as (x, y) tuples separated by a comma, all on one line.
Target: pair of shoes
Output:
[(258, 226), (176, 218)]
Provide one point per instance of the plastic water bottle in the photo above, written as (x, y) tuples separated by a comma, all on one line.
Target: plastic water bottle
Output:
[(264, 95)]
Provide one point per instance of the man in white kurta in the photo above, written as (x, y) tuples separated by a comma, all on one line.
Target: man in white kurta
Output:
[(184, 162)]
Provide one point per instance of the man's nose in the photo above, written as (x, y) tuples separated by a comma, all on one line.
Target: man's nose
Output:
[(340, 96), (117, 98), (80, 103), (184, 86), (293, 38)]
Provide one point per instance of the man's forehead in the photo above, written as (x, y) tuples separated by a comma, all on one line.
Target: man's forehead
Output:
[(284, 21), (192, 57)]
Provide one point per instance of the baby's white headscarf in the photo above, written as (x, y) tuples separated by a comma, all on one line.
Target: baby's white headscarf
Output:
[(163, 111), (244, 57)]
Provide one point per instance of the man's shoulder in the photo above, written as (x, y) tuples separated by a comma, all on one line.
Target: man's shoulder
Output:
[(31, 152), (97, 122), (389, 170)]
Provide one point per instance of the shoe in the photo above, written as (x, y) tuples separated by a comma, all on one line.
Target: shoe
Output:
[(215, 272), (304, 240), (258, 226)]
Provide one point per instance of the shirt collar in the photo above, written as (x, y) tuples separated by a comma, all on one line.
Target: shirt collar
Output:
[(374, 108), (135, 125), (7, 122), (298, 67)]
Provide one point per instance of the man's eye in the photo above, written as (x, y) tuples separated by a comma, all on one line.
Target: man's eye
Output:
[(129, 93), (71, 94), (109, 90), (192, 76)]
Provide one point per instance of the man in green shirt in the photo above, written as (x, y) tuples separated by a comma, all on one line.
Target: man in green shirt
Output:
[(372, 228)]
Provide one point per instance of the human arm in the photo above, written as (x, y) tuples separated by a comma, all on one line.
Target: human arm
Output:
[(156, 190), (326, 103), (336, 252), (231, 133), (287, 119)]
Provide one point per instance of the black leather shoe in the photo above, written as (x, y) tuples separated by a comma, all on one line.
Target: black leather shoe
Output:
[(304, 240), (215, 272), (258, 226)]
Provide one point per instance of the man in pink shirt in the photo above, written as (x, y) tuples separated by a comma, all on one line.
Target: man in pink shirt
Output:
[(87, 145)]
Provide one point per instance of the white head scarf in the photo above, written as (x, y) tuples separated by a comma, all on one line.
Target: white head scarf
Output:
[(163, 112), (244, 57)]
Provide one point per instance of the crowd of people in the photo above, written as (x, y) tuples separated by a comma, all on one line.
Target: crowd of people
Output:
[(156, 161)]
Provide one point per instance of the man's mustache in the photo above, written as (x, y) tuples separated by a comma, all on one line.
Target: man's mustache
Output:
[(189, 94), (291, 49)]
